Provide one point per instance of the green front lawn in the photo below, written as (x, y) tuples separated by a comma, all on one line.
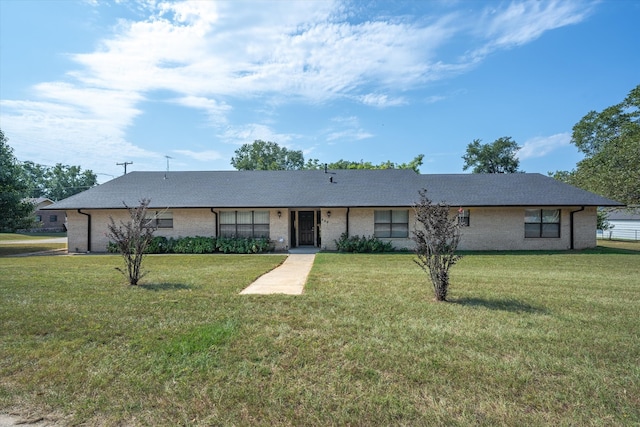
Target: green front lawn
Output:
[(527, 339), (8, 237), (12, 243)]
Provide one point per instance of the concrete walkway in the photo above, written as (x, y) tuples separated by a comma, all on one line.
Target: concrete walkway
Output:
[(289, 278)]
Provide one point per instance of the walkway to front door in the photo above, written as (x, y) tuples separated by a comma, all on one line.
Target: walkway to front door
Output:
[(289, 278)]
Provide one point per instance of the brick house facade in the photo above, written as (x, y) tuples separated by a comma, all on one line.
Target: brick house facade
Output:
[(314, 208)]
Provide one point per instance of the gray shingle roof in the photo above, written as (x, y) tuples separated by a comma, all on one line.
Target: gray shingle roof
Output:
[(337, 188)]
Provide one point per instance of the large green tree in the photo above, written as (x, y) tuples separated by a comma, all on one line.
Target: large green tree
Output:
[(16, 212), (497, 157), (346, 164), (265, 155), (56, 182), (610, 141), (65, 181), (261, 155)]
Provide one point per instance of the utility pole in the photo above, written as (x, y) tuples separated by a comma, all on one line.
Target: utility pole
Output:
[(125, 166), (168, 162)]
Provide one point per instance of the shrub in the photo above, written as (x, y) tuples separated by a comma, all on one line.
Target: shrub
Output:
[(195, 245), (436, 242), (204, 245), (158, 245), (238, 245), (112, 248), (362, 244), (131, 239)]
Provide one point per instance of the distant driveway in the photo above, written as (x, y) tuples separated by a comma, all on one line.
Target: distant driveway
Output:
[(34, 241)]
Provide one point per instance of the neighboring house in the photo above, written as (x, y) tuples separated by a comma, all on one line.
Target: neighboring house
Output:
[(624, 223), (47, 220), (314, 207)]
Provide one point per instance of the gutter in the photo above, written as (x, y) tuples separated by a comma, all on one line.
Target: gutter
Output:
[(571, 223), (88, 229)]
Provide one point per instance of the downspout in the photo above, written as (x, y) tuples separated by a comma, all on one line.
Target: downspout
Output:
[(216, 214), (348, 222), (571, 221), (88, 229)]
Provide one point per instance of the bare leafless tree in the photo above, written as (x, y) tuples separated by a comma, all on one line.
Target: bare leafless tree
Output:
[(437, 234), (132, 238)]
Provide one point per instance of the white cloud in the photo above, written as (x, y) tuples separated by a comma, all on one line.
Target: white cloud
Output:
[(524, 21), (379, 100), (253, 131), (49, 133), (434, 98), (215, 110), (346, 128), (211, 54), (543, 145), (203, 156)]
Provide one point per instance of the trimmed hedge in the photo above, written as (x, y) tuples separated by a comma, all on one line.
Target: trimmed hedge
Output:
[(204, 245), (362, 244)]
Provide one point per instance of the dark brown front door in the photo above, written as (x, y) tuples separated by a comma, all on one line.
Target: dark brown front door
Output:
[(305, 228)]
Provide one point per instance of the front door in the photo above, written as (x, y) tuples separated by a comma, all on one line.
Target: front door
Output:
[(305, 228)]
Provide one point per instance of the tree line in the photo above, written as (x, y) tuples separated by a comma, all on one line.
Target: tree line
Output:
[(20, 181), (267, 155)]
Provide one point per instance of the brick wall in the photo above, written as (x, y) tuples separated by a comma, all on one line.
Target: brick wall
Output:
[(186, 222), (489, 229)]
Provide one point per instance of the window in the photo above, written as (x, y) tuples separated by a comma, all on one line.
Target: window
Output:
[(244, 223), (390, 223), (463, 217), (38, 218), (541, 223), (162, 219), (53, 218)]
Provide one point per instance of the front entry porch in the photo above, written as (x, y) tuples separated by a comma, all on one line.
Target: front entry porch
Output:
[(305, 228)]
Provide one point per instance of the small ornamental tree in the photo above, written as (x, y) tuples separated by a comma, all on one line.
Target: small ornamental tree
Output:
[(132, 238), (437, 235)]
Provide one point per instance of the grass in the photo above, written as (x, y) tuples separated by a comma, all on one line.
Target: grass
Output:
[(530, 339), (8, 237), (619, 244), (17, 249), (11, 243)]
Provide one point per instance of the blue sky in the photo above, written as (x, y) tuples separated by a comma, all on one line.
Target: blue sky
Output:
[(95, 83)]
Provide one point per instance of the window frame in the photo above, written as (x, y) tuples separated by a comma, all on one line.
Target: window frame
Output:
[(397, 229), (247, 229), (536, 229), (464, 217), (159, 219)]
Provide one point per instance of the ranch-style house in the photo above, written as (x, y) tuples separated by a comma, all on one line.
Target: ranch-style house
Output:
[(521, 211)]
